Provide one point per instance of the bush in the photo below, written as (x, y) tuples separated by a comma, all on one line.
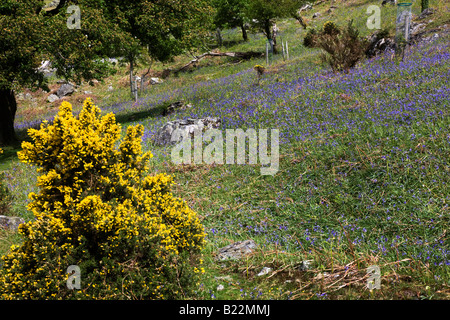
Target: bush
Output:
[(344, 48), (331, 28), (98, 209), (310, 37)]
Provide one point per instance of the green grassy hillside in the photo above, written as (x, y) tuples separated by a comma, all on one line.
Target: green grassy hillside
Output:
[(364, 176)]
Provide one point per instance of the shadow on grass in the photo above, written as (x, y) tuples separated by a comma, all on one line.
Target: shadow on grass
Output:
[(143, 114), (9, 154)]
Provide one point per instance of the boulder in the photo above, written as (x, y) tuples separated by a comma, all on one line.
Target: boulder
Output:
[(175, 106), (379, 43), (164, 135), (46, 68), (264, 271), (417, 27), (305, 7), (236, 250), (425, 13), (52, 98), (11, 223), (154, 80), (51, 5), (65, 90), (304, 265)]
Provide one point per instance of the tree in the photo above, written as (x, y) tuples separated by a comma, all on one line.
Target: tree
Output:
[(263, 14), (109, 28), (231, 14), (424, 5), (30, 34), (165, 28)]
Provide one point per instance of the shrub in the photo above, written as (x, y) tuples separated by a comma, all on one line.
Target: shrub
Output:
[(344, 48), (98, 209), (330, 28), (310, 37), (259, 71)]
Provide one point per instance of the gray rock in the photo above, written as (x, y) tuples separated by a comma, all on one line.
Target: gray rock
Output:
[(11, 223), (46, 68), (164, 135), (379, 44), (426, 13), (155, 80), (52, 98), (304, 265), (305, 7), (416, 27), (28, 96), (175, 106), (316, 15), (225, 278), (264, 271), (236, 250), (113, 60), (65, 90), (51, 6)]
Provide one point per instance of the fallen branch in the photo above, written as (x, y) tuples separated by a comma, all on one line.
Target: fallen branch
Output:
[(237, 55)]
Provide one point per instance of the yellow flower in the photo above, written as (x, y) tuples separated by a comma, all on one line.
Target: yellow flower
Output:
[(259, 69), (95, 199)]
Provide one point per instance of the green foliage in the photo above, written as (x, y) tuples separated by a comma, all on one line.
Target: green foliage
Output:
[(424, 4), (230, 13), (18, 43), (98, 209), (264, 12), (309, 39), (166, 28), (331, 28)]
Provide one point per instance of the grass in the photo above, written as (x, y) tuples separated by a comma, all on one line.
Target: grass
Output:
[(363, 177)]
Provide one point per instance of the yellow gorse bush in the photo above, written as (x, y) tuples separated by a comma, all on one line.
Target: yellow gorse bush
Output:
[(98, 208), (330, 28)]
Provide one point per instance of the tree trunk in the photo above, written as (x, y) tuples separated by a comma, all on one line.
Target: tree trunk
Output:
[(238, 55), (132, 88), (219, 37), (299, 18), (268, 32), (274, 38), (244, 32), (424, 5), (8, 108)]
